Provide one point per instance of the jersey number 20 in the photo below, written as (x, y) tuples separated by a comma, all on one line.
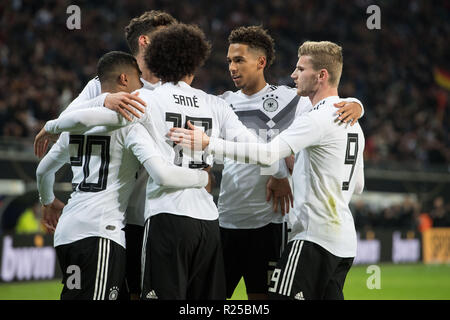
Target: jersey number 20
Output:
[(77, 161)]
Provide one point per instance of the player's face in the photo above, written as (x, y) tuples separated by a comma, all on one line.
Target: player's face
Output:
[(305, 77), (243, 65)]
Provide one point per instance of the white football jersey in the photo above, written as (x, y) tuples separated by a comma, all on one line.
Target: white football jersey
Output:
[(173, 105), (104, 170), (242, 200), (325, 174), (135, 210)]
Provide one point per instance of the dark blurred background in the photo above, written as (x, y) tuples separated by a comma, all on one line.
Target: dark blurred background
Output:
[(400, 72)]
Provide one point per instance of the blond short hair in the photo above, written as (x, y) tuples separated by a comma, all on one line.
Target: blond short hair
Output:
[(324, 55)]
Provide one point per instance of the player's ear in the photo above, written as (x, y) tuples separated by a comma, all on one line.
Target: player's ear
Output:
[(123, 79), (143, 40), (262, 62), (323, 74)]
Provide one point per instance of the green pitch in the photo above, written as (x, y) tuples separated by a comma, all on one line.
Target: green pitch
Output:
[(398, 282)]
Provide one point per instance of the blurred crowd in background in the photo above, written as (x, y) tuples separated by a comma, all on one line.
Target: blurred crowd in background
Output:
[(407, 215), (44, 65)]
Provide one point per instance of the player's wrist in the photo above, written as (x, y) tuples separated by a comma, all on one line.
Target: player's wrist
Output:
[(211, 146), (50, 126), (359, 103), (104, 100), (46, 202)]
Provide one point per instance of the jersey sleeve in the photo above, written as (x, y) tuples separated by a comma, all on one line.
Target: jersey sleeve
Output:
[(79, 104), (305, 131), (83, 120), (49, 165), (172, 176), (265, 154), (141, 143), (145, 148), (91, 92)]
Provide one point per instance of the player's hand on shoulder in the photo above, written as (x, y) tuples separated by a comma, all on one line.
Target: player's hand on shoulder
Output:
[(126, 104), (51, 213), (348, 112), (279, 190), (41, 142)]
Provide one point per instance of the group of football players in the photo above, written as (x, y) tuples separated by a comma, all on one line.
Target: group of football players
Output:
[(141, 222)]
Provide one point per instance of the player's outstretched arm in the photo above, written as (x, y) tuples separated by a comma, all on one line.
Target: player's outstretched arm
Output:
[(264, 154), (85, 119), (146, 150), (124, 103), (172, 176), (78, 122)]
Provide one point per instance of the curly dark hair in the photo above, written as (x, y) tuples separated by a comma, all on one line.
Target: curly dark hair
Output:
[(144, 25), (177, 51), (257, 38)]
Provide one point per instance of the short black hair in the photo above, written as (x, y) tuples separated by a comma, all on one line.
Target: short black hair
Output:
[(144, 25), (177, 51), (255, 37), (113, 63)]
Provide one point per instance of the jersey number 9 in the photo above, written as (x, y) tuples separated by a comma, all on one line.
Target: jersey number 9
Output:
[(351, 154)]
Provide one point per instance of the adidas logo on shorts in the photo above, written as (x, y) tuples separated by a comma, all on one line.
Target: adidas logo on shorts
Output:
[(299, 296), (151, 295)]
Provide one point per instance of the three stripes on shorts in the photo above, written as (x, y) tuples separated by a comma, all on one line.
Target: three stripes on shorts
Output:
[(101, 277), (291, 266)]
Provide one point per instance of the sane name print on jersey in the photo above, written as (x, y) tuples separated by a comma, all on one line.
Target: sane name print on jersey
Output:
[(186, 101)]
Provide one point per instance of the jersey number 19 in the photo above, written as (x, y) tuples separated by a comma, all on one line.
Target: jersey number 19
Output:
[(176, 119)]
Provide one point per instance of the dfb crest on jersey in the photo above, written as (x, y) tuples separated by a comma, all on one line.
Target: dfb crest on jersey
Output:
[(270, 103)]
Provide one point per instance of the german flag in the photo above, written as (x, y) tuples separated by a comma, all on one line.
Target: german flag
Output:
[(442, 77)]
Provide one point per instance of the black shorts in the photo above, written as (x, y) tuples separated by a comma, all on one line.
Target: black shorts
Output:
[(306, 271), (252, 254), (134, 235), (182, 259), (93, 269)]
